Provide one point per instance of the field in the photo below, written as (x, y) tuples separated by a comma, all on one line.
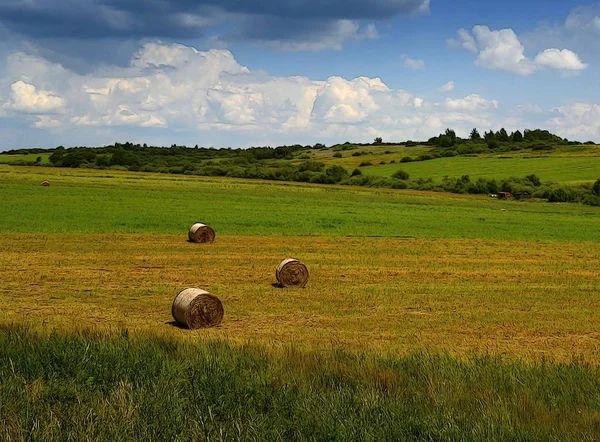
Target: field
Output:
[(573, 164), (457, 317)]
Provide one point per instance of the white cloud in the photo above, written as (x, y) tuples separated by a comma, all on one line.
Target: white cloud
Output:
[(502, 50), (47, 122), (471, 102), (414, 63), (448, 87), (175, 89), (578, 120), (559, 59), (25, 97)]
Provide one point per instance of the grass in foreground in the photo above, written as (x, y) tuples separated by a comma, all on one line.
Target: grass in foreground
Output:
[(90, 386)]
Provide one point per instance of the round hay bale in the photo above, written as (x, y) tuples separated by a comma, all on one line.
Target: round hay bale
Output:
[(46, 183), (201, 233), (196, 308), (291, 272)]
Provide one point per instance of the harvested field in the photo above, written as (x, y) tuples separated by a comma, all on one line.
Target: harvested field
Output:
[(521, 299)]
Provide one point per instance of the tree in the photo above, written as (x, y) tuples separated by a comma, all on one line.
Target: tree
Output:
[(475, 135), (517, 137), (336, 174), (489, 136), (596, 188), (378, 140), (502, 135), (450, 133)]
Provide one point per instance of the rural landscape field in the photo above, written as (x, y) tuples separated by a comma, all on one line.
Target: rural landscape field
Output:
[(454, 316), (299, 221)]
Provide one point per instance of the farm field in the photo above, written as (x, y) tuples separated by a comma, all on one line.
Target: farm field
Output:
[(444, 313), (562, 167)]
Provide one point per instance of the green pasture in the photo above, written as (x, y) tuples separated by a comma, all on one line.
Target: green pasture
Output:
[(561, 169), (24, 158), (83, 201)]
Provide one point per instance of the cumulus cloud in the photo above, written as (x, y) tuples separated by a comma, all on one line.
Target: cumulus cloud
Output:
[(448, 87), (173, 88), (25, 97), (559, 59), (502, 50), (414, 63), (471, 102), (578, 120)]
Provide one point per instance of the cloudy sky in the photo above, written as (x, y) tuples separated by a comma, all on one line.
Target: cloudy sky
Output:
[(269, 72)]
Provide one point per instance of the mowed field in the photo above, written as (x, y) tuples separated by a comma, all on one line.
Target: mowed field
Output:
[(392, 272)]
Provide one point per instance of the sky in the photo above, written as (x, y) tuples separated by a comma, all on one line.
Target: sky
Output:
[(235, 73)]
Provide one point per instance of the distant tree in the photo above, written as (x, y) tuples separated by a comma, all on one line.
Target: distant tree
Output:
[(336, 174), (378, 140), (445, 141), (38, 160), (489, 136), (502, 136), (475, 135), (596, 188), (517, 137), (450, 133), (534, 180)]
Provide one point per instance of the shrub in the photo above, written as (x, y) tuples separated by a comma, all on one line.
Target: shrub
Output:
[(401, 175), (406, 160), (356, 172), (337, 155), (365, 163), (596, 188)]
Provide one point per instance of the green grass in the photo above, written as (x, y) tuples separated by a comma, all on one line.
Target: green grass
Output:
[(24, 158), (97, 201), (558, 167), (110, 386)]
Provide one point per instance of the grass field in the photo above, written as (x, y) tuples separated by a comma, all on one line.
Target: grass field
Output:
[(7, 159), (562, 166), (427, 316)]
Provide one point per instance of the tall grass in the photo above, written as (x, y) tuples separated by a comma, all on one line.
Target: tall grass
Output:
[(110, 386)]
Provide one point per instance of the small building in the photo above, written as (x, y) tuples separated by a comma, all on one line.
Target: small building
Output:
[(504, 195), (522, 195)]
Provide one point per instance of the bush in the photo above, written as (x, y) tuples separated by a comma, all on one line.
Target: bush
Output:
[(356, 172), (401, 175), (337, 155), (596, 188), (406, 160), (365, 163)]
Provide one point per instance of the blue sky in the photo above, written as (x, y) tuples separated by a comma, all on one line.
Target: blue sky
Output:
[(231, 73)]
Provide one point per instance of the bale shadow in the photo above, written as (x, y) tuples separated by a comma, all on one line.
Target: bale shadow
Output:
[(177, 325)]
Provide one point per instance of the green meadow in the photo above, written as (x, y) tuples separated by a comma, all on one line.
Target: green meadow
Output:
[(83, 200), (561, 167)]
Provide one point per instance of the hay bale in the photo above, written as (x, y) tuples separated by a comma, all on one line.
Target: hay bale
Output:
[(196, 308), (291, 272), (201, 233), (46, 183)]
